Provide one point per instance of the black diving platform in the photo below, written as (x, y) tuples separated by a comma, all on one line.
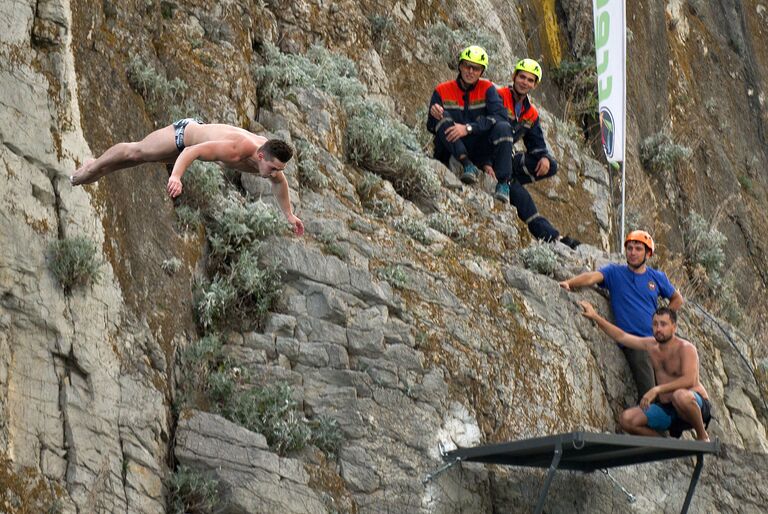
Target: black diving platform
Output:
[(587, 452)]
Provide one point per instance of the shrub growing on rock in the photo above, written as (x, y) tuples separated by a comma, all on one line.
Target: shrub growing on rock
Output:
[(395, 275), (417, 229), (211, 380), (155, 88), (73, 262), (326, 434), (238, 225), (242, 291), (203, 186), (188, 218), (171, 266), (386, 146), (539, 257), (704, 244), (376, 140), (189, 491), (310, 175), (659, 153), (447, 224)]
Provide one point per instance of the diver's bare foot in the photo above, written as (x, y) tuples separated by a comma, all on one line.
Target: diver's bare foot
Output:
[(83, 174), (704, 438)]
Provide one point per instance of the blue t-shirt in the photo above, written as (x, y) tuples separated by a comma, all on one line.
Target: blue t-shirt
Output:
[(634, 297)]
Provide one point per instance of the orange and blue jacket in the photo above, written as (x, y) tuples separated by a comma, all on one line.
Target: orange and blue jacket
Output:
[(479, 104), (525, 123)]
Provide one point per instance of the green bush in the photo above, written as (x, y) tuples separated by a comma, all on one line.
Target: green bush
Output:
[(446, 224), (447, 43), (214, 301), (376, 140), (241, 290), (203, 185), (191, 492), (384, 145), (370, 190), (539, 257), (395, 275), (578, 81), (153, 85), (241, 293), (188, 218), (382, 28), (221, 385), (659, 153), (417, 229), (272, 412), (704, 244), (310, 175), (73, 262), (199, 360), (172, 265), (319, 68), (237, 226), (326, 434)]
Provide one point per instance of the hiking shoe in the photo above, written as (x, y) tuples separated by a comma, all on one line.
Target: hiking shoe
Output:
[(471, 174), (502, 193), (570, 242)]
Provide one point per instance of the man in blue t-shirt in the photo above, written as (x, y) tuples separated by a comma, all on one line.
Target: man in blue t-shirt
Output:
[(634, 289)]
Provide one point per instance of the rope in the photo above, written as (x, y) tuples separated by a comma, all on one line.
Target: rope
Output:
[(733, 343)]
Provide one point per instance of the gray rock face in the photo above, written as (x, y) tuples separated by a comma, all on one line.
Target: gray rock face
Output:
[(410, 346), (253, 478), (79, 398)]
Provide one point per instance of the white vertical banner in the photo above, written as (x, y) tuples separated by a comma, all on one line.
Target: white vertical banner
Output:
[(610, 58)]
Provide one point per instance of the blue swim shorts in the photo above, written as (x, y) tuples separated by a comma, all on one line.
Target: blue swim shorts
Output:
[(662, 415)]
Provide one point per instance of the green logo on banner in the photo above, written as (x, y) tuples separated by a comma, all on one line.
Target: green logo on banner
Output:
[(602, 33)]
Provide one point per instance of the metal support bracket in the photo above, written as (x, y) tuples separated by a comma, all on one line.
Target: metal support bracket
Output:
[(442, 469), (631, 498), (439, 471), (550, 476), (694, 481)]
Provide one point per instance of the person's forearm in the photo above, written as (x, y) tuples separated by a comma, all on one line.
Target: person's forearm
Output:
[(676, 301), (183, 161), (283, 197), (683, 382), (585, 279), (609, 328)]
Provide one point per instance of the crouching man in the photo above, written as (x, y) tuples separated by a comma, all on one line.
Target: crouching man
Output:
[(678, 394)]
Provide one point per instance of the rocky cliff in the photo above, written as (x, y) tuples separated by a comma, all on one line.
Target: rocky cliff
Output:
[(407, 319)]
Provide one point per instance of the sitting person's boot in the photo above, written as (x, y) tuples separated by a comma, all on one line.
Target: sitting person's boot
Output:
[(502, 192), (570, 242), (471, 173)]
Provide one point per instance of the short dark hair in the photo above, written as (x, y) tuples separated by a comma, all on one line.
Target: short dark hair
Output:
[(669, 312), (277, 149)]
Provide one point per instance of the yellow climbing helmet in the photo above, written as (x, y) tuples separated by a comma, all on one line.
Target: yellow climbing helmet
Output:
[(474, 54), (530, 66), (641, 236)]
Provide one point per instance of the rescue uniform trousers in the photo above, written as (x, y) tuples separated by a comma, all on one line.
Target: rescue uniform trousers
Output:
[(523, 171), (493, 147)]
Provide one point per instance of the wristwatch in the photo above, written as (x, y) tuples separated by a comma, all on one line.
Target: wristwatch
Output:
[(469, 128)]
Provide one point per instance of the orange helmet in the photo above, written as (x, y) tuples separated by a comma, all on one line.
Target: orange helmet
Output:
[(641, 236)]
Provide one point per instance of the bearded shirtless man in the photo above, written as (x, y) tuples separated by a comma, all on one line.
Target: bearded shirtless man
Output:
[(678, 392)]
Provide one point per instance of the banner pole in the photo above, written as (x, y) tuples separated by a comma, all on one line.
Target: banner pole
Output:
[(623, 203)]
